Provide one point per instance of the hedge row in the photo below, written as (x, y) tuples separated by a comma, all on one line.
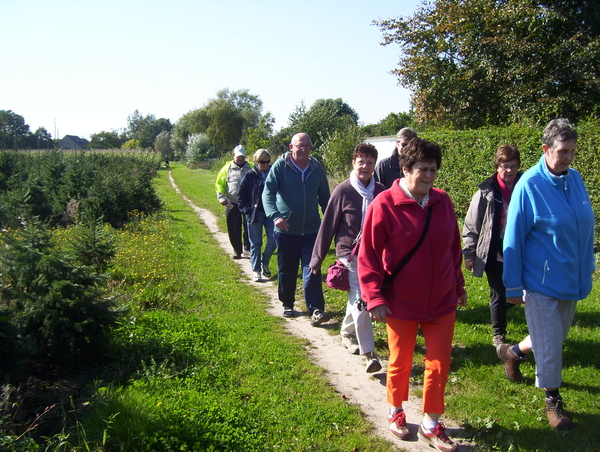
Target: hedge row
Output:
[(469, 155)]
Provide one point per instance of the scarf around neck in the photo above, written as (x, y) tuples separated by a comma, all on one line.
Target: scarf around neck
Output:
[(407, 192), (365, 192)]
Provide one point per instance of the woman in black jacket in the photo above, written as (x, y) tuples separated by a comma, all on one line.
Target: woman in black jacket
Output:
[(250, 204)]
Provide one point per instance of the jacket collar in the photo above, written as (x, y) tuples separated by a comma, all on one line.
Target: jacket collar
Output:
[(399, 197), (557, 181)]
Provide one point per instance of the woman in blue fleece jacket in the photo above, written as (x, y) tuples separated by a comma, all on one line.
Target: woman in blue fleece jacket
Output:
[(548, 255)]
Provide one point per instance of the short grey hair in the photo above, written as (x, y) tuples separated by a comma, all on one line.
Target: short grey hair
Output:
[(558, 130), (406, 132)]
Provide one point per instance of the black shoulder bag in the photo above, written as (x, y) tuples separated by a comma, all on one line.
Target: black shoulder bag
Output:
[(389, 278)]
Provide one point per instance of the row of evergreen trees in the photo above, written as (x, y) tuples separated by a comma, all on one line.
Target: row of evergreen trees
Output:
[(54, 306)]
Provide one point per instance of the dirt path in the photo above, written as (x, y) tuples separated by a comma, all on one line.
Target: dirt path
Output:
[(346, 372)]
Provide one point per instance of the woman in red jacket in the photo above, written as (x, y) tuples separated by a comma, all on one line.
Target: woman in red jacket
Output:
[(424, 294)]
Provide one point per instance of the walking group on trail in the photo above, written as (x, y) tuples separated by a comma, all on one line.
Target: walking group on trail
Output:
[(531, 233)]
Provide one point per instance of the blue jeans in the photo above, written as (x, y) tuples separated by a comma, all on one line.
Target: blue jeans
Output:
[(291, 251), (255, 235)]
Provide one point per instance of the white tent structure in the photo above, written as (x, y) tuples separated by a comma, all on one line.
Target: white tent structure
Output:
[(384, 145)]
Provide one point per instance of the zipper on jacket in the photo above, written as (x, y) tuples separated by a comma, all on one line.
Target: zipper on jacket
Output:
[(546, 268)]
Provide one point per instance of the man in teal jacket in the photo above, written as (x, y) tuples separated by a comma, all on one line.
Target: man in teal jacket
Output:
[(295, 188)]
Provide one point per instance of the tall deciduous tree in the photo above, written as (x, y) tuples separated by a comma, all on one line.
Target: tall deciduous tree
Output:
[(145, 129), (472, 63), (14, 132), (106, 140), (42, 138), (225, 120), (321, 120)]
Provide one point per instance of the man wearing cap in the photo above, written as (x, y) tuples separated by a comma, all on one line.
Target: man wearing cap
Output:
[(295, 188), (388, 169), (227, 186)]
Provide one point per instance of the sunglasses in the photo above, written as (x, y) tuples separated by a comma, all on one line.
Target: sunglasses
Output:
[(264, 162)]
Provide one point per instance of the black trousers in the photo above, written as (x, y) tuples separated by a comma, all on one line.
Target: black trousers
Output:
[(498, 305), (235, 226)]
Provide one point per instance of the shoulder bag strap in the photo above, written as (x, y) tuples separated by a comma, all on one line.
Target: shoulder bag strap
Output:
[(389, 278)]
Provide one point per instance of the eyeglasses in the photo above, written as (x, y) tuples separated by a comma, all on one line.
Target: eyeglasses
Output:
[(264, 162), (509, 167), (303, 146)]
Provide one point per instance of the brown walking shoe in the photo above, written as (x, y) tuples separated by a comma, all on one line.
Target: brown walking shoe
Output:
[(556, 416), (511, 362)]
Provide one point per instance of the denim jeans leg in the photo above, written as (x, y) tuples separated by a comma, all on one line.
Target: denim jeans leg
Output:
[(312, 283), (255, 236), (289, 249), (271, 245)]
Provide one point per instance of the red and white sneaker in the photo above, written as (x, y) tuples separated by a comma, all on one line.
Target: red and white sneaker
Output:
[(398, 426), (437, 438)]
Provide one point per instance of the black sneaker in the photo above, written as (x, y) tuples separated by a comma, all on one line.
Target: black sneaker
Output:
[(266, 272), (288, 312), (318, 317)]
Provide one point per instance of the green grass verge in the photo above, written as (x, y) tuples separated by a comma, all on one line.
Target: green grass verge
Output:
[(199, 364), (499, 415)]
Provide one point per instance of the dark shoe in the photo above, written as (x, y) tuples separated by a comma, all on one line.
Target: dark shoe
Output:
[(237, 256), (398, 426), (511, 362), (373, 364), (266, 272), (499, 339), (437, 438), (288, 312), (556, 416), (318, 317), (349, 341)]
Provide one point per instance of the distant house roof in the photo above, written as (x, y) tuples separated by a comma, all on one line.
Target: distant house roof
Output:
[(73, 142)]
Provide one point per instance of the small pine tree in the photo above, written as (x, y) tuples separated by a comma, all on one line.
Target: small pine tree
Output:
[(56, 303)]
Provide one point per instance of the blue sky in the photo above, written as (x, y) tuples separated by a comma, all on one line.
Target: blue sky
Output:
[(79, 67)]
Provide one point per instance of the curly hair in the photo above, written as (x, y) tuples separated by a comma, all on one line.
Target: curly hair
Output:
[(421, 150)]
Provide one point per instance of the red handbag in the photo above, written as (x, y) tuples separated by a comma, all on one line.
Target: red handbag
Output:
[(338, 275)]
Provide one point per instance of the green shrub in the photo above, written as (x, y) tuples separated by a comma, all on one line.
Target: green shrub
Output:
[(198, 148), (57, 304), (132, 144)]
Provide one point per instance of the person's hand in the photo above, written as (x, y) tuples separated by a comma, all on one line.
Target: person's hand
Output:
[(462, 301), (379, 313), (223, 201), (315, 270), (518, 301), (282, 224), (469, 264)]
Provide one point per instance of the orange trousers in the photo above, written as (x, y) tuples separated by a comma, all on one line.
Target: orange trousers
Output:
[(402, 337)]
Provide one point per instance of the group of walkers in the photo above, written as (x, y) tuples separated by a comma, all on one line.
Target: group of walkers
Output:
[(531, 233)]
